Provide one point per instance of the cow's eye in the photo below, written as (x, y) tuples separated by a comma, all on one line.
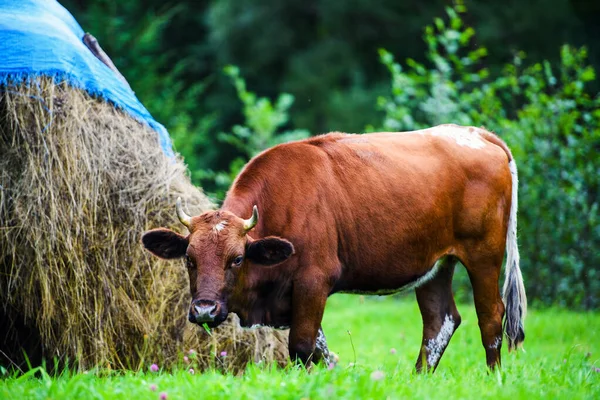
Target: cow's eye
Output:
[(189, 263), (237, 261)]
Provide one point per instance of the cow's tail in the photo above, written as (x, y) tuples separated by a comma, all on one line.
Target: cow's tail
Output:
[(515, 300)]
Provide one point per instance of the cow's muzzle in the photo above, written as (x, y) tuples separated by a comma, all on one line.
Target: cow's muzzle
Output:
[(203, 311)]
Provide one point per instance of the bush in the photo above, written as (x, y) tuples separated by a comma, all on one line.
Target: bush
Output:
[(553, 128)]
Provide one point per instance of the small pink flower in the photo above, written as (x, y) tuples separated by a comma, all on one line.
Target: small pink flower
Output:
[(331, 366), (191, 371), (154, 368), (163, 396), (186, 359), (191, 352), (393, 351), (377, 375), (596, 369), (223, 354), (153, 387)]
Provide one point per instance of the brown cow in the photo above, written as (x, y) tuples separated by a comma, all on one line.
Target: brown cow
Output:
[(374, 214)]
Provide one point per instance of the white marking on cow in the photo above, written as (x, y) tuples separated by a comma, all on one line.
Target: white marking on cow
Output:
[(321, 342), (425, 278), (220, 226), (257, 326), (412, 285), (321, 345), (435, 347), (461, 135), (496, 343)]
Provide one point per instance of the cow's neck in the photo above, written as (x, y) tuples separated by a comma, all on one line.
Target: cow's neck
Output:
[(238, 206), (243, 195), (264, 298)]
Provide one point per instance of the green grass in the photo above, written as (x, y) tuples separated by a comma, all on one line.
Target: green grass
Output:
[(562, 353)]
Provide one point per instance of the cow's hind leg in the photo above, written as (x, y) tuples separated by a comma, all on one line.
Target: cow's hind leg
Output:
[(440, 316), (484, 271)]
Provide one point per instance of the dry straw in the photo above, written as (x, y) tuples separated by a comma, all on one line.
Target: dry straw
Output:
[(80, 182)]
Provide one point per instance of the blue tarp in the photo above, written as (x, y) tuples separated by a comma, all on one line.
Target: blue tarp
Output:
[(40, 37)]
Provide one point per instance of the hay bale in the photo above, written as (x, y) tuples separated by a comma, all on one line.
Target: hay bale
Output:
[(80, 182)]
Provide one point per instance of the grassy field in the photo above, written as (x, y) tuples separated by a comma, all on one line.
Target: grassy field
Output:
[(562, 360)]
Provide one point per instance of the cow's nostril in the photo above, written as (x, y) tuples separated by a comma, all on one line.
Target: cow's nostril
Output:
[(209, 311), (204, 310)]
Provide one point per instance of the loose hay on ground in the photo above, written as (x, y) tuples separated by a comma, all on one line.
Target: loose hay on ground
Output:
[(79, 183)]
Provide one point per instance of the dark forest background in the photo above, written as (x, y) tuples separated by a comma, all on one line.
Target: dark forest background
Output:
[(229, 78)]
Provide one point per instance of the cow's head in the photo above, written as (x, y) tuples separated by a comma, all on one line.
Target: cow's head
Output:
[(217, 251)]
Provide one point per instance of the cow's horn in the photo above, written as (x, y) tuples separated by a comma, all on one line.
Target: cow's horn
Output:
[(251, 223), (183, 217)]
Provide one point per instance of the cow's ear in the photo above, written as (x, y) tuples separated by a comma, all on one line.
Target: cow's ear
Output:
[(269, 251), (165, 243)]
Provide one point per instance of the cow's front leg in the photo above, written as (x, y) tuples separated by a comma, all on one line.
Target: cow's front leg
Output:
[(308, 304)]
